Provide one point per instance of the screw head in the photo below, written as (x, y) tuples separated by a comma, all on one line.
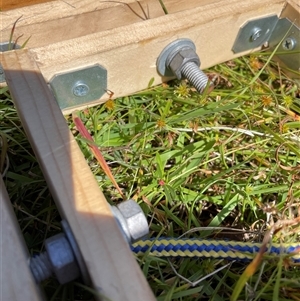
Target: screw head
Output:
[(80, 89), (255, 34), (288, 44)]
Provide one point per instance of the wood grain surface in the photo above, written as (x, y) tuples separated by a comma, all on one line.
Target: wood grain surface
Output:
[(16, 280), (65, 37), (113, 269)]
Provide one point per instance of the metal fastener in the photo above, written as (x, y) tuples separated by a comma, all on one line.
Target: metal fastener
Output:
[(289, 44), (131, 220), (63, 258), (180, 59), (76, 251), (287, 34), (256, 33), (80, 89), (58, 260)]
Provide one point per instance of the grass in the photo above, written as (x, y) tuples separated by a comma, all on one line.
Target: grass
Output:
[(228, 159)]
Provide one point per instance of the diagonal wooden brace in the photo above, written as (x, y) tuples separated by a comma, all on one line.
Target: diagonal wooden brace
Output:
[(113, 269)]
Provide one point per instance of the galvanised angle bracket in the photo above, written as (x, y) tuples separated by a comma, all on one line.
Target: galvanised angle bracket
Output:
[(270, 31), (78, 87)]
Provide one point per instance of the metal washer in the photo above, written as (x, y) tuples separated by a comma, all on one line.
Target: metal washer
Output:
[(173, 47), (82, 267)]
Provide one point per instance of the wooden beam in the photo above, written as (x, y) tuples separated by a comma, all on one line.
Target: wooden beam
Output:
[(16, 280), (58, 21), (128, 46), (292, 11), (12, 4), (129, 53), (113, 269)]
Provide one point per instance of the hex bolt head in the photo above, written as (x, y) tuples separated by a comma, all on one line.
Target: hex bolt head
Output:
[(131, 220), (176, 61), (289, 44), (80, 89), (180, 59)]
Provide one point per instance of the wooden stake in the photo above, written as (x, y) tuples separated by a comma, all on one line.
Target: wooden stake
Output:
[(113, 269)]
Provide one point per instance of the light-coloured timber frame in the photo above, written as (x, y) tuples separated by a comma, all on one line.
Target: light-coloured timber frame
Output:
[(113, 270), (16, 280), (73, 34)]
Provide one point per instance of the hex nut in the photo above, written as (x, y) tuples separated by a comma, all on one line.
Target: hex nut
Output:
[(133, 220), (177, 60), (62, 259)]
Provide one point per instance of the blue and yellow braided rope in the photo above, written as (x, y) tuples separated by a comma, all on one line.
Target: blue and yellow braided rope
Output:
[(204, 248)]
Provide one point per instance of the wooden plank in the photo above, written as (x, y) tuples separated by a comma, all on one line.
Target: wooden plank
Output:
[(61, 20), (11, 4), (112, 267), (58, 21), (16, 280), (129, 50), (129, 53)]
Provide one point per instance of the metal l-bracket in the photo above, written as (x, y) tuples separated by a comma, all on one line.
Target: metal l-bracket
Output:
[(79, 87), (288, 35), (270, 31), (254, 33)]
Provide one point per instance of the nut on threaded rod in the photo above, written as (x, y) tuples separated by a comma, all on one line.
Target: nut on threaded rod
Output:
[(63, 257), (59, 259), (41, 267), (180, 59)]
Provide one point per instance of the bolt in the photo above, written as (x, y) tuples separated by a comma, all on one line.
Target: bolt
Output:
[(80, 89), (180, 59), (197, 77), (255, 34), (58, 260), (289, 44), (131, 220), (63, 258)]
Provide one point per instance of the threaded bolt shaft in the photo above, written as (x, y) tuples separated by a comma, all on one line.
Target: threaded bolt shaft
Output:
[(195, 76), (41, 267)]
